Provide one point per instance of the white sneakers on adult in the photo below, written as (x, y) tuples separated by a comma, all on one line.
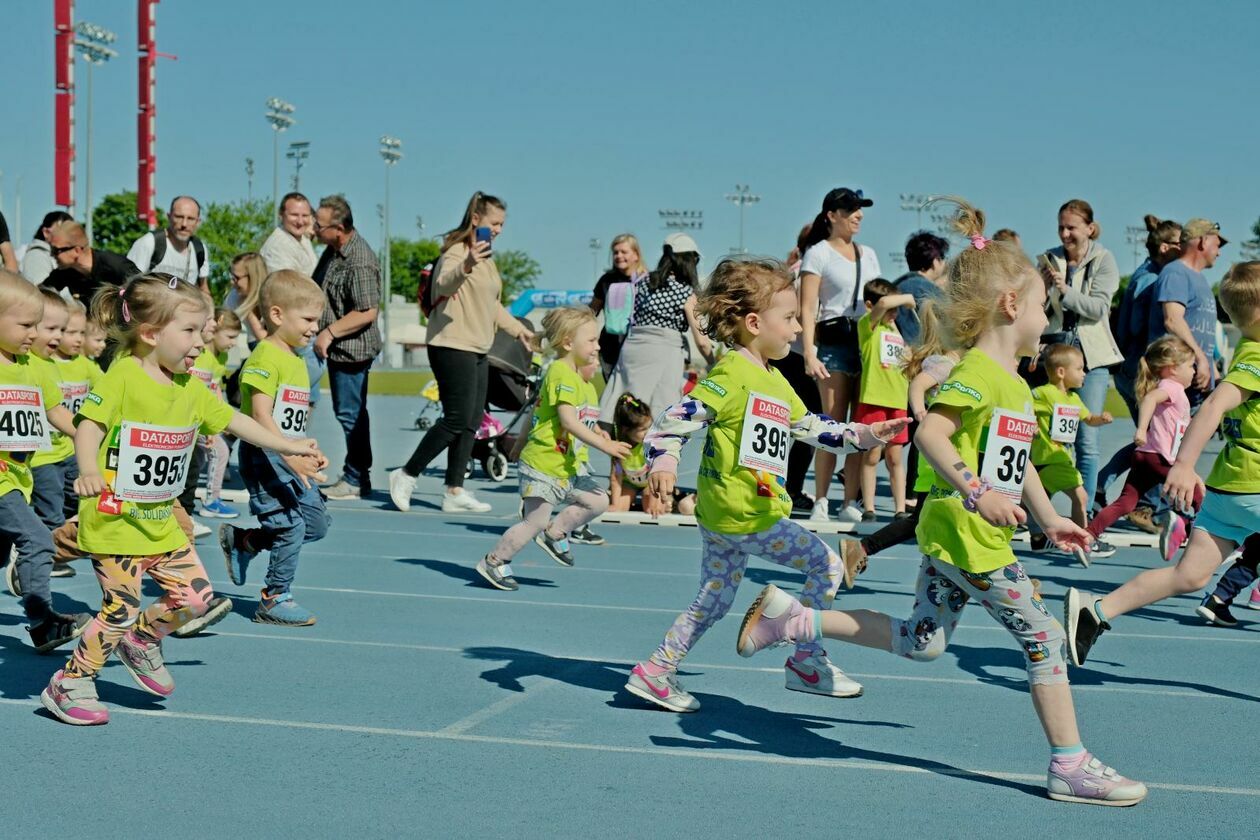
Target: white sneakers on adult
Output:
[(464, 502), (401, 486)]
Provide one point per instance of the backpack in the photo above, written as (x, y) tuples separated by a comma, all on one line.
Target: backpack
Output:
[(159, 251), (618, 307), (424, 291)]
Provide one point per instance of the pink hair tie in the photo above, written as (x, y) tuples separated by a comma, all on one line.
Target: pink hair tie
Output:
[(979, 241), (126, 313)]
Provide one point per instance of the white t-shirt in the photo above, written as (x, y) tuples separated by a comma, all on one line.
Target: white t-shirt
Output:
[(839, 275), (283, 251), (184, 266)]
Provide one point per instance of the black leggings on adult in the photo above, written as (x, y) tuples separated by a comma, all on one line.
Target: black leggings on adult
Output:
[(792, 366), (462, 378)]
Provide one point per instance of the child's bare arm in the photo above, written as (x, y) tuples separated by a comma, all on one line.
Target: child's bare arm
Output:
[(880, 308)]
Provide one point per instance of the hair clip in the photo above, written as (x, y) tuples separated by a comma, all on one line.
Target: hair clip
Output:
[(174, 284), (126, 313), (979, 241)]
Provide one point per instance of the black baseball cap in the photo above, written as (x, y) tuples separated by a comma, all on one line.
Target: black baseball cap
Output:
[(843, 198)]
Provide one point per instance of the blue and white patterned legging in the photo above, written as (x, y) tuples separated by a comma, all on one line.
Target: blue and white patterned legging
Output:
[(722, 562)]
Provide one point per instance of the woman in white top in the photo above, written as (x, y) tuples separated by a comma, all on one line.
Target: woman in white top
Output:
[(833, 269), (38, 261)]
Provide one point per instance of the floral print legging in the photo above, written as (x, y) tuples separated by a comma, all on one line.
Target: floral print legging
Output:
[(722, 563)]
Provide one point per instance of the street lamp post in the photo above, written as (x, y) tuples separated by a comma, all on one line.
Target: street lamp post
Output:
[(391, 153), (681, 219), (743, 196), (298, 152), (915, 202), (249, 179), (93, 43), (280, 116), (595, 245)]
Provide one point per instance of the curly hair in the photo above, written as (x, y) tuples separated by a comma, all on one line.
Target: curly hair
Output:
[(737, 288)]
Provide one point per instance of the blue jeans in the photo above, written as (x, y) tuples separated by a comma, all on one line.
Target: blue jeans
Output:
[(314, 369), (20, 528), (349, 381), (289, 513), (1093, 392)]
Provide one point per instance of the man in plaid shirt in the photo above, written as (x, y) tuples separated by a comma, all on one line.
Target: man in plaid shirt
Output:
[(348, 337)]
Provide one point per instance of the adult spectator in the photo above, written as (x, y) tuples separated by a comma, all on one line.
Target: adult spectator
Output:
[(614, 296), (348, 338), (1082, 279), (833, 269), (8, 258), (175, 250), (289, 245), (248, 273), (1008, 235), (468, 310), (1184, 303), (925, 257), (654, 355), (38, 262), (82, 269)]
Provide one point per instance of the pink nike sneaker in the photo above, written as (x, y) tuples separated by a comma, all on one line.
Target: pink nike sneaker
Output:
[(663, 690), (1254, 601), (773, 619), (816, 674), (1172, 536)]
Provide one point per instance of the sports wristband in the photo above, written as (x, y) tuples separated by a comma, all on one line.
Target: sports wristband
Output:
[(973, 498)]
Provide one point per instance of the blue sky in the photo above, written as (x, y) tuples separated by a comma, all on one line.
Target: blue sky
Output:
[(588, 117)]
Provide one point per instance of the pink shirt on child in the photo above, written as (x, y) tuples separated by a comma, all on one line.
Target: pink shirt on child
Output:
[(1170, 415)]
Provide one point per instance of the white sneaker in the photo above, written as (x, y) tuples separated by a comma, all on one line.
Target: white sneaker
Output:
[(821, 512), (850, 513), (199, 530), (401, 486), (464, 502), (818, 675)]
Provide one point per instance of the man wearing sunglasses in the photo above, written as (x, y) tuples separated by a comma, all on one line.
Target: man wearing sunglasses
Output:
[(1186, 306), (81, 269)]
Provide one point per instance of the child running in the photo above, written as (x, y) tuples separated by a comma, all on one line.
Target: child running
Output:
[(77, 374), (751, 415), (550, 464), (1164, 373), (1230, 513), (283, 494), (976, 436), (135, 435), (211, 368), (882, 390), (632, 418), (588, 414), (50, 466), (30, 402)]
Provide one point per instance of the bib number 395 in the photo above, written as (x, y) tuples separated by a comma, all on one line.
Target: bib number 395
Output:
[(152, 461), (1006, 452), (767, 435), (291, 410)]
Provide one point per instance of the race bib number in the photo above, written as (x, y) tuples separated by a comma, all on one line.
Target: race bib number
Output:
[(892, 349), (73, 394), (291, 410), (152, 461), (767, 435), (206, 376), (1064, 422), (1006, 451), (1178, 434), (588, 416), (23, 423)]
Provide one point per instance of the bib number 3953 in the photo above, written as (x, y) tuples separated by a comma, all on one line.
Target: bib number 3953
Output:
[(292, 407), (1006, 451), (23, 424), (152, 461), (1064, 423), (767, 435)]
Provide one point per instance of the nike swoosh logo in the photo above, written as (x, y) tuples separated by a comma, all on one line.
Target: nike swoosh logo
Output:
[(812, 679), (661, 693)]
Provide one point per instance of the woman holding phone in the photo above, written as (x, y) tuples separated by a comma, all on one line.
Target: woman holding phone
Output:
[(467, 312), (833, 269)]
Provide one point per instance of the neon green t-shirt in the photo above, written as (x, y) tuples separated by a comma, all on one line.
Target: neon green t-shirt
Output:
[(1237, 467), (211, 369), (938, 366), (281, 374), (15, 467), (947, 531), (1046, 450), (732, 499), (632, 469), (550, 449), (127, 393), (62, 444), (882, 382)]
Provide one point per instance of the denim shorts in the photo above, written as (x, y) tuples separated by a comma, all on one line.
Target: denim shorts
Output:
[(839, 358), (1229, 516)]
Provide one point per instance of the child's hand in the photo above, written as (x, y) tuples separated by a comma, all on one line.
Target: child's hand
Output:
[(1180, 486), (301, 446), (90, 484), (1105, 418), (1139, 438), (1066, 534), (653, 506), (996, 509), (886, 430), (617, 449), (306, 467), (661, 485)]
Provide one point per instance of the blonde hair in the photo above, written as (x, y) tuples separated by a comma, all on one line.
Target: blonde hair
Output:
[(1059, 355), (76, 307), (226, 319), (152, 299), (633, 241), (738, 287), (1166, 351), (256, 268), (1081, 207), (931, 341), (71, 230), (1239, 293), (978, 276), (560, 325), (286, 289), (16, 290), (51, 298)]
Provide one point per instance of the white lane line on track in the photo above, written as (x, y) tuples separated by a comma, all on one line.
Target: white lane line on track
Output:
[(664, 752), (704, 666)]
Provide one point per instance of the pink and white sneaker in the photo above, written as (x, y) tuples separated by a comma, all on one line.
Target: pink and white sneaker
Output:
[(1093, 783), (144, 661), (1172, 536), (816, 674), (1254, 601), (73, 700), (773, 619)]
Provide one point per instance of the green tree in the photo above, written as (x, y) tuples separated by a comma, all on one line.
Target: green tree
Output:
[(407, 258), (519, 271), (115, 225), (231, 228)]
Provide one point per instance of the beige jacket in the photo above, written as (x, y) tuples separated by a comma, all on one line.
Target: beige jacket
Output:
[(468, 311)]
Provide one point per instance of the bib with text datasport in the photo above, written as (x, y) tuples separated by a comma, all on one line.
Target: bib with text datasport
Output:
[(1006, 450), (291, 410), (73, 394), (1064, 422), (23, 423), (152, 461), (588, 416), (764, 444), (892, 349)]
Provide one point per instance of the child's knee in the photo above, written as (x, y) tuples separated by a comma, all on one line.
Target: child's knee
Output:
[(599, 503), (197, 597), (687, 505), (922, 640), (870, 458)]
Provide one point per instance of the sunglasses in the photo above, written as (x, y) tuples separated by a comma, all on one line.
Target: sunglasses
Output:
[(56, 251)]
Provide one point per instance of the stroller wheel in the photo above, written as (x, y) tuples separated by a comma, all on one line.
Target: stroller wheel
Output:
[(422, 423), (496, 465)]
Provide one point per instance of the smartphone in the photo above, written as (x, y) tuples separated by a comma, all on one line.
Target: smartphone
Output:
[(483, 235), (1044, 263)]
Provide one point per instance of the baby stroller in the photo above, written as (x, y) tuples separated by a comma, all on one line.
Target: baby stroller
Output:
[(513, 386)]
